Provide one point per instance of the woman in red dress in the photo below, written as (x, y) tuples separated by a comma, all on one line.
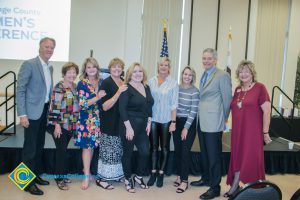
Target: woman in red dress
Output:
[(250, 108)]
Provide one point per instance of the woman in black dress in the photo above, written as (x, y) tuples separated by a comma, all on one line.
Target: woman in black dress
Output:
[(110, 148), (135, 107)]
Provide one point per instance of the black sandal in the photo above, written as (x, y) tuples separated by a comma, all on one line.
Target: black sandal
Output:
[(66, 180), (107, 187), (140, 181), (129, 185), (180, 190), (62, 185), (176, 183), (227, 195)]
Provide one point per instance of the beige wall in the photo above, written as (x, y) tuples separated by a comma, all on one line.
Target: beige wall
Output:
[(293, 50), (232, 13), (113, 28)]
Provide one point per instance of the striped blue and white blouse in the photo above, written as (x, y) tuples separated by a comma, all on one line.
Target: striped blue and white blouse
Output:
[(165, 99), (188, 102)]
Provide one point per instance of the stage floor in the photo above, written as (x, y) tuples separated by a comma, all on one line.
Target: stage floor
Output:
[(16, 141), (278, 158)]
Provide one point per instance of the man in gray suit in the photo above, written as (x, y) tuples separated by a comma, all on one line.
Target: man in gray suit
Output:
[(33, 95), (214, 106)]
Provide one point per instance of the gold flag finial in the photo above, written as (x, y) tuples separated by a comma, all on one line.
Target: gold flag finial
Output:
[(165, 23), (229, 33)]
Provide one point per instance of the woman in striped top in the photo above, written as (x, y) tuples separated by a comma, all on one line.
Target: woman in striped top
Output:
[(185, 132)]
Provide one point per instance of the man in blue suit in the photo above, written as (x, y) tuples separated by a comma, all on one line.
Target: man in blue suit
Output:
[(33, 95), (213, 111)]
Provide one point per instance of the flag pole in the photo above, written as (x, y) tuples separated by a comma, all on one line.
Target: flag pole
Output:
[(229, 58), (164, 49)]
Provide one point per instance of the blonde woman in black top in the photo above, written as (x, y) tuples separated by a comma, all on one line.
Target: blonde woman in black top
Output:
[(135, 107)]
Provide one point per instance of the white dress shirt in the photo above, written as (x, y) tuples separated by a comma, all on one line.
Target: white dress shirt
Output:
[(47, 76)]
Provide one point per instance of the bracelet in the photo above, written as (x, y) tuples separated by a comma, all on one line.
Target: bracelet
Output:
[(265, 133), (173, 121)]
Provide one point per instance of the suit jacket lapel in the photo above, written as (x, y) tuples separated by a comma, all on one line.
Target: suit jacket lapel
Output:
[(210, 79), (40, 67)]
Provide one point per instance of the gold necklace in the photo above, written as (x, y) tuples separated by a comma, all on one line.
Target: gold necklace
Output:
[(239, 102)]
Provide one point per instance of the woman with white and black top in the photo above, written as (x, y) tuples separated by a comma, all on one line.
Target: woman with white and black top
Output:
[(164, 90), (185, 132)]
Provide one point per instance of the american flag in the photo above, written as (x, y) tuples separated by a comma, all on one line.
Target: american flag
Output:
[(229, 59), (164, 49)]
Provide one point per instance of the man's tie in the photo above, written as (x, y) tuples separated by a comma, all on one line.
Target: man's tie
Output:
[(205, 75)]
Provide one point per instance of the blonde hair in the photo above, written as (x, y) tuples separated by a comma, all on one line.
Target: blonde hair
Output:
[(94, 62), (130, 70), (116, 61), (193, 75), (163, 59), (246, 64)]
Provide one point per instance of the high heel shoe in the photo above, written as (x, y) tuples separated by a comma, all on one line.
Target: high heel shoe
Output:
[(177, 182), (129, 185), (152, 179), (182, 190), (104, 184), (140, 181), (229, 195)]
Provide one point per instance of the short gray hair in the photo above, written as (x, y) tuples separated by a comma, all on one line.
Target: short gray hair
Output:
[(212, 51)]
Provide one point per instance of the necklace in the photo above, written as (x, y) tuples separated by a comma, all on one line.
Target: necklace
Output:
[(239, 102)]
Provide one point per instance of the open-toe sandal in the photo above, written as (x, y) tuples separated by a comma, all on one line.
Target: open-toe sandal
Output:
[(104, 184), (176, 183), (182, 190), (62, 185), (129, 185), (139, 180)]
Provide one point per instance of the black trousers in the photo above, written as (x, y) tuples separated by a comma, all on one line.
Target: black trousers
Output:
[(61, 150), (183, 147), (160, 136), (34, 141), (211, 152), (141, 141)]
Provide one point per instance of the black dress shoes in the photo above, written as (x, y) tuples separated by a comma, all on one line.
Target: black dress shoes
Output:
[(210, 194), (199, 183), (40, 181), (34, 190)]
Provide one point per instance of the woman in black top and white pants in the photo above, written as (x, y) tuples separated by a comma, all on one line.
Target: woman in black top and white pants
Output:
[(135, 107)]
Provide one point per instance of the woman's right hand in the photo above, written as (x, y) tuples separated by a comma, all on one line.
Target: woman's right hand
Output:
[(57, 131), (129, 134), (122, 88), (101, 94)]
